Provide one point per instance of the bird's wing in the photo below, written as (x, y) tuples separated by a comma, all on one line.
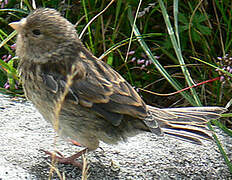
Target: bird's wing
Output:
[(106, 92), (98, 87)]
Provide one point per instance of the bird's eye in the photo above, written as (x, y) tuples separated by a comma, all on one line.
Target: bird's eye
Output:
[(36, 32)]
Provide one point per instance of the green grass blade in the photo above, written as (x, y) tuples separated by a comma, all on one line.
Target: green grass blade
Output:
[(8, 38), (222, 127), (14, 10), (221, 149), (214, 66), (160, 68), (179, 53), (124, 42), (89, 30), (175, 12), (10, 70)]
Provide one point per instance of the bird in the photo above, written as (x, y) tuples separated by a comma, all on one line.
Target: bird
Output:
[(96, 102)]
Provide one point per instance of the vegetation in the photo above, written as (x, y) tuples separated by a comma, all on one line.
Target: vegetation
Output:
[(159, 47)]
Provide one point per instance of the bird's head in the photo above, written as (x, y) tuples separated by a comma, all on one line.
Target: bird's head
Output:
[(41, 33)]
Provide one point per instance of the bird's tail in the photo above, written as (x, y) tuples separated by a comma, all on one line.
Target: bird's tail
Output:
[(188, 123)]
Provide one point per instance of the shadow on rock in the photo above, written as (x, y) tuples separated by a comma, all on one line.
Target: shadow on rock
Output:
[(97, 170)]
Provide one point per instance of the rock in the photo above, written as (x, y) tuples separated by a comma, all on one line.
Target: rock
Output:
[(24, 132)]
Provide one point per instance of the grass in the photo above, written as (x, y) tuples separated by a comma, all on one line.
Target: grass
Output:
[(187, 36)]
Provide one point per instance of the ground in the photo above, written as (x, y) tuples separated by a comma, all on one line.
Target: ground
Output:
[(24, 133)]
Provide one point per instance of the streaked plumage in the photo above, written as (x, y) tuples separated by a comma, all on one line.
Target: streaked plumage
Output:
[(101, 105)]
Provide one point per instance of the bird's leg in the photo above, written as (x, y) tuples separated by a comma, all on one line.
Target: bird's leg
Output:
[(69, 160), (75, 143)]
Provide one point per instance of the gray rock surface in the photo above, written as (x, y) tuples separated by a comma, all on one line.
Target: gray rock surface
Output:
[(146, 156)]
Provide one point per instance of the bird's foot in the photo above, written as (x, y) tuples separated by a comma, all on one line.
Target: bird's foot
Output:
[(69, 160)]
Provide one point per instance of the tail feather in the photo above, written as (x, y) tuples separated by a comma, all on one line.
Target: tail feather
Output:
[(196, 114), (188, 123), (185, 137)]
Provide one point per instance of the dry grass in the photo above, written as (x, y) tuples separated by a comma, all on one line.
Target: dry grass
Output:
[(58, 106)]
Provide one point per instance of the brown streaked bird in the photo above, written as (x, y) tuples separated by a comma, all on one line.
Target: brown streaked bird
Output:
[(100, 104)]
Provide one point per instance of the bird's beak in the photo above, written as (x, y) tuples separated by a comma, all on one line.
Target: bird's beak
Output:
[(15, 25), (18, 25)]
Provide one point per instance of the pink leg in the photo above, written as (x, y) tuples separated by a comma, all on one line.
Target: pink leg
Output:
[(68, 160), (76, 143)]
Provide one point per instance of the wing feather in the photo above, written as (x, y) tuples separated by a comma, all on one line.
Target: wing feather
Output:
[(99, 87), (108, 91)]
